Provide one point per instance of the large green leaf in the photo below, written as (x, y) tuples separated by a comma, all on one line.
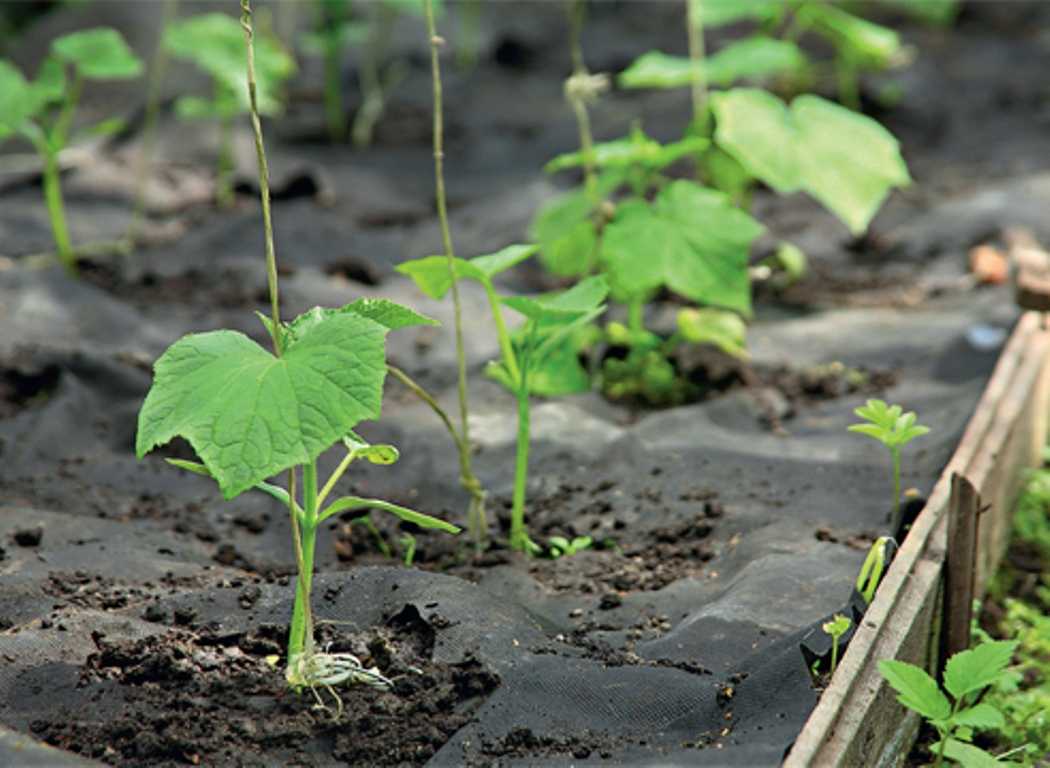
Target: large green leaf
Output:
[(753, 58), (249, 414), (975, 668), (17, 104), (690, 239), (845, 160), (431, 273), (98, 54), (215, 42), (982, 717), (969, 755), (916, 689)]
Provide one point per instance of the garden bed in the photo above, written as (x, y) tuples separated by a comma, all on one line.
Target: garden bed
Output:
[(139, 610)]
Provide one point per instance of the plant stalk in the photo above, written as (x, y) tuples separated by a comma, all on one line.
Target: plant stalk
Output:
[(477, 521), (519, 537), (577, 13), (895, 453), (56, 211), (698, 77), (335, 114), (149, 125), (224, 169), (636, 315)]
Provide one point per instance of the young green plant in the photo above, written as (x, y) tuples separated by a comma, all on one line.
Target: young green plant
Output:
[(836, 628), (42, 111), (250, 414), (550, 322), (215, 43), (559, 546), (894, 429), (966, 675)]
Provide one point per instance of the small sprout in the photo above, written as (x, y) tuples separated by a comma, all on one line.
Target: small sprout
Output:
[(893, 428), (559, 546), (837, 627), (408, 543), (875, 563)]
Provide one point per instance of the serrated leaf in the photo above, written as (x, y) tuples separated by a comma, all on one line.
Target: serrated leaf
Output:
[(845, 160), (566, 306), (982, 717), (388, 314), (916, 689), (690, 239), (975, 668), (215, 42), (98, 54), (967, 755), (248, 414), (871, 430), (726, 330), (431, 273), (17, 102)]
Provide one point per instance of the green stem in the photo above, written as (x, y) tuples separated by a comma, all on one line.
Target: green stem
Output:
[(834, 653), (372, 99), (476, 518), (895, 453), (264, 184), (335, 114), (848, 82), (510, 361), (698, 77), (577, 13), (944, 735), (300, 635), (384, 548), (519, 538), (56, 210), (467, 41), (149, 126), (636, 315), (224, 171)]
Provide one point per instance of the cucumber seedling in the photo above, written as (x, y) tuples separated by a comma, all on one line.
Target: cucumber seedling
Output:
[(41, 111), (836, 628), (215, 43), (550, 322), (966, 675), (894, 429), (250, 414)]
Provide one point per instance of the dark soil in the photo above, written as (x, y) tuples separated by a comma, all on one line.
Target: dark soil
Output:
[(158, 678)]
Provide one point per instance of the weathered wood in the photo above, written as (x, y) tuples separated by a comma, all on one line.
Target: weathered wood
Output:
[(960, 566), (857, 720)]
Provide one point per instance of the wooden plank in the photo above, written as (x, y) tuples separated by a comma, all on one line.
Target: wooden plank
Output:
[(857, 717), (960, 566)]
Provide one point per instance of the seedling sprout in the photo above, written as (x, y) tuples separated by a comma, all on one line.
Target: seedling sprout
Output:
[(894, 429), (836, 628)]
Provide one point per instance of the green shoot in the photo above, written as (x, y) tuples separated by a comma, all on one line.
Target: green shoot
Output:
[(836, 628), (894, 429), (408, 544), (874, 567), (251, 414), (966, 675), (559, 546), (215, 43), (42, 111)]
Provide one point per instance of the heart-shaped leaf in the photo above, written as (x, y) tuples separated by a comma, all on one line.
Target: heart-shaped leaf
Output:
[(690, 239), (98, 54), (249, 414), (845, 160)]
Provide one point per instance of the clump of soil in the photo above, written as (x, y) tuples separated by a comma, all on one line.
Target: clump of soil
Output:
[(201, 698)]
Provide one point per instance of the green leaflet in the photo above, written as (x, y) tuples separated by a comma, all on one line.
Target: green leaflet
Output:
[(564, 230), (726, 330), (431, 273), (976, 668), (845, 160), (752, 58), (968, 755), (562, 307), (98, 54), (916, 689), (716, 13), (690, 239), (248, 414), (864, 40), (215, 43), (637, 149), (17, 103)]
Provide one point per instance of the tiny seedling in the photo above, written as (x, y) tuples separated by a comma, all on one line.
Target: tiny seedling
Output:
[(836, 628), (42, 111), (408, 544), (871, 572), (894, 429), (250, 414), (215, 43), (559, 546), (966, 675)]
